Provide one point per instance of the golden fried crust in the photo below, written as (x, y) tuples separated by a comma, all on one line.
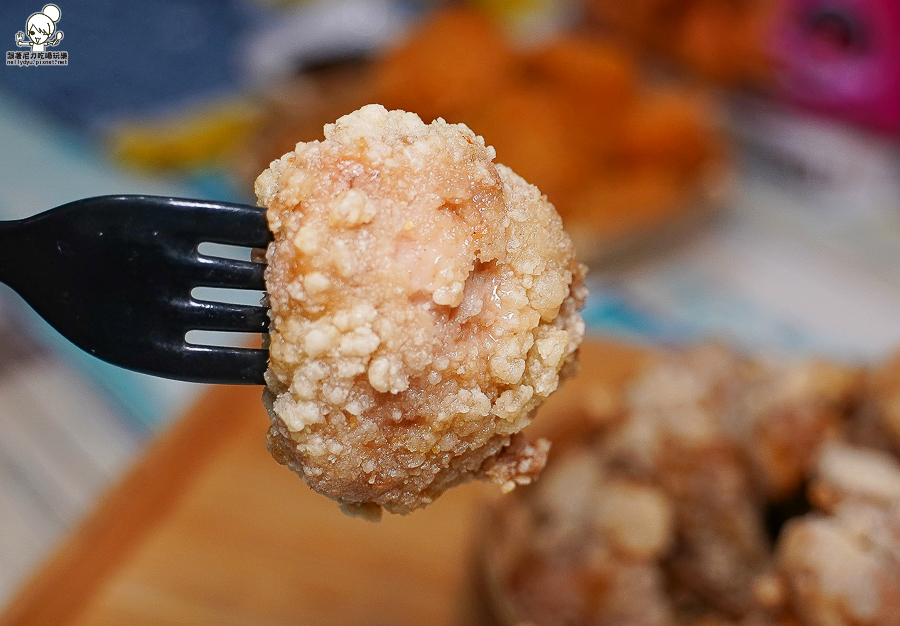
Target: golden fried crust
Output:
[(424, 302)]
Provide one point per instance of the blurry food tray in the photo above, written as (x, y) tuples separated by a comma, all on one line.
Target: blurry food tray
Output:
[(208, 529)]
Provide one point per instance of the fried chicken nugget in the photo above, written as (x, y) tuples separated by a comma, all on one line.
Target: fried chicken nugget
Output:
[(424, 302), (843, 568), (721, 548)]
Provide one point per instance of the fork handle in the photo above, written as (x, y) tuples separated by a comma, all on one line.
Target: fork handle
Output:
[(29, 248), (13, 252), (114, 275)]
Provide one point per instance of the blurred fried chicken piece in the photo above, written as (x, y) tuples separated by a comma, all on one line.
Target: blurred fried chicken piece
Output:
[(726, 41), (620, 161), (662, 515), (446, 67), (843, 567)]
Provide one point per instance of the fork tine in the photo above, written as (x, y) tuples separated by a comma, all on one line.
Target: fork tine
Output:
[(217, 272), (229, 366), (224, 316), (234, 224)]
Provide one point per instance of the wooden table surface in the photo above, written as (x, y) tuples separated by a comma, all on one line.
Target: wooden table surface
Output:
[(208, 529)]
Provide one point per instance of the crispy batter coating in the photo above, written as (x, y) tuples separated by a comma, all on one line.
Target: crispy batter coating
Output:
[(424, 303), (843, 567), (662, 516), (878, 425)]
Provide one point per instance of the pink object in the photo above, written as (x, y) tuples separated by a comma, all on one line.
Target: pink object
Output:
[(842, 57)]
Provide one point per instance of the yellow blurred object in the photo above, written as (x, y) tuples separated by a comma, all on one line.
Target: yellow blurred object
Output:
[(529, 20), (197, 138), (510, 9)]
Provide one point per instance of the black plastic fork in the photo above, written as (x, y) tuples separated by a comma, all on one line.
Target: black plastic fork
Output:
[(114, 275)]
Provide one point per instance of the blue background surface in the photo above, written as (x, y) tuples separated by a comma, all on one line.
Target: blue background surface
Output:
[(128, 57)]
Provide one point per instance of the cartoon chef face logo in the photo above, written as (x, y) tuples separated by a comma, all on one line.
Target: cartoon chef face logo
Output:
[(41, 29)]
